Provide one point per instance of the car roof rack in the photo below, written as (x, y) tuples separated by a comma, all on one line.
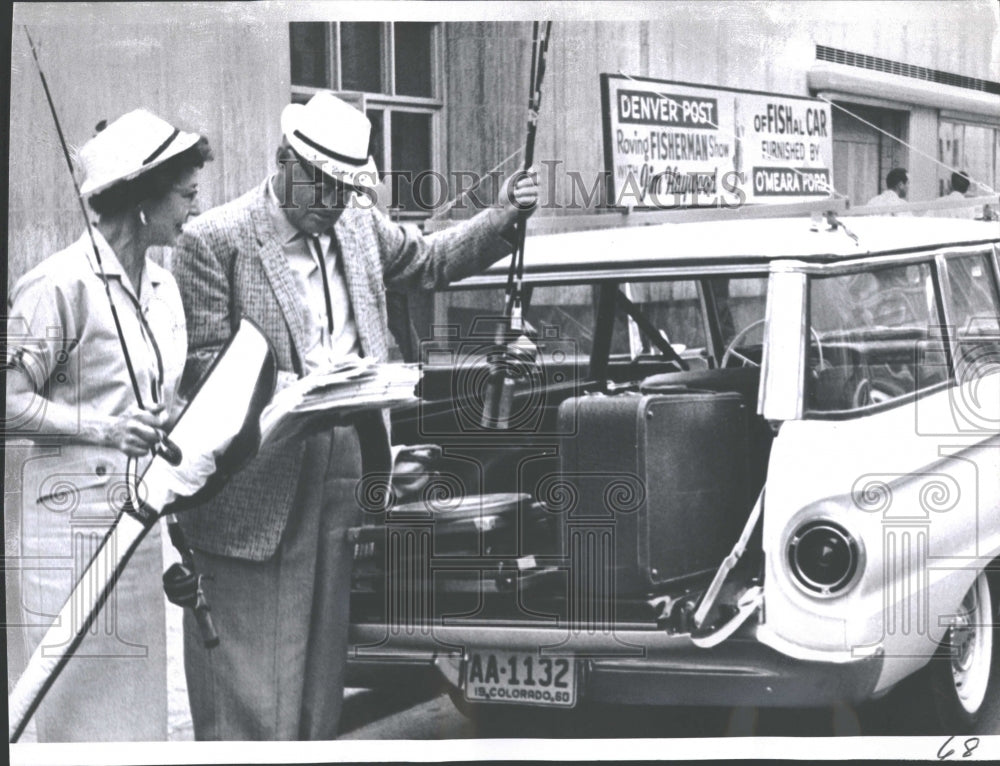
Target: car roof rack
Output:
[(616, 218), (942, 203)]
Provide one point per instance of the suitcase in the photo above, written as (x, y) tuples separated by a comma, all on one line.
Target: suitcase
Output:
[(460, 544), (658, 486)]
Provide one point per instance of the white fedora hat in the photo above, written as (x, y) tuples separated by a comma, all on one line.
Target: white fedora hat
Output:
[(128, 147), (333, 136)]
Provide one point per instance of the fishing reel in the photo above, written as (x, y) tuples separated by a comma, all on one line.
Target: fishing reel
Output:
[(182, 584), (511, 366), (169, 451)]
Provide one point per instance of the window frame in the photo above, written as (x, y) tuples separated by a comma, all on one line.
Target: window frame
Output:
[(387, 101), (957, 119), (942, 260), (937, 261)]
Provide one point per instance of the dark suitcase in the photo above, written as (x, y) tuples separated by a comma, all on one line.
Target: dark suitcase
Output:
[(657, 485), (459, 544)]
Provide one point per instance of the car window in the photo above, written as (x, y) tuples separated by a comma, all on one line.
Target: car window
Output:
[(673, 307), (557, 311), (568, 311), (873, 337), (463, 316), (740, 304), (974, 314), (973, 305)]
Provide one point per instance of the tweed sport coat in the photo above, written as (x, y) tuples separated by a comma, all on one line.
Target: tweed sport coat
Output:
[(229, 263)]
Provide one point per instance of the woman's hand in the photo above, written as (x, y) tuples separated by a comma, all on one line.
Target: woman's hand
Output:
[(137, 433)]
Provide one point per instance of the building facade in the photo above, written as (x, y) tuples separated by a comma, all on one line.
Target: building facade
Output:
[(911, 83)]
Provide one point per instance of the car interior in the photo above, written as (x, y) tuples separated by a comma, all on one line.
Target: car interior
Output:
[(695, 342)]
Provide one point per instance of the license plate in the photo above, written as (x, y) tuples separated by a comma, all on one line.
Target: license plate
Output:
[(520, 677)]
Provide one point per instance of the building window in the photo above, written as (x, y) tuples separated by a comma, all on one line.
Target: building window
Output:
[(393, 71), (862, 155), (974, 149)]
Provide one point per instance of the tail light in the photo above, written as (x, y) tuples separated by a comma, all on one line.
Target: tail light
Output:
[(824, 558)]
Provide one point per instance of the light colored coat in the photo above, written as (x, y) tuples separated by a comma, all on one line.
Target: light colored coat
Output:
[(229, 263), (62, 330)]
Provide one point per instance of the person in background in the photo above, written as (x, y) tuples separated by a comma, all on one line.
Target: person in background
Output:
[(69, 391), (308, 257), (959, 188), (897, 188)]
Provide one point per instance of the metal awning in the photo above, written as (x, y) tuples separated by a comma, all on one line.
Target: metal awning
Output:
[(840, 81)]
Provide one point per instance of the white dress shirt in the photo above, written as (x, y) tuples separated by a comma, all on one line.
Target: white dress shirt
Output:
[(324, 348), (955, 212), (889, 197)]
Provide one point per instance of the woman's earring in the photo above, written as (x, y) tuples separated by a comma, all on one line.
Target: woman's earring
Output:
[(142, 217)]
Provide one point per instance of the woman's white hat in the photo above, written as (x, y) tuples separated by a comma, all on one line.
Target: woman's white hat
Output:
[(333, 136), (134, 143)]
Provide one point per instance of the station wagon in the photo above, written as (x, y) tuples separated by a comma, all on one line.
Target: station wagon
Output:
[(749, 462)]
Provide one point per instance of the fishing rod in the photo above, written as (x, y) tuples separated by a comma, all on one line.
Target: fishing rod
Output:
[(222, 421), (219, 423), (518, 351), (166, 447)]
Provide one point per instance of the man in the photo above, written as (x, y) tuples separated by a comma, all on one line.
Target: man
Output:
[(959, 188), (897, 187), (302, 258)]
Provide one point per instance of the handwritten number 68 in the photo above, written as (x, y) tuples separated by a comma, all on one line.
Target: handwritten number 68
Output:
[(970, 744)]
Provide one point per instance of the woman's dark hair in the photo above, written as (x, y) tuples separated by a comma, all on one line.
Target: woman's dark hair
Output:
[(152, 184)]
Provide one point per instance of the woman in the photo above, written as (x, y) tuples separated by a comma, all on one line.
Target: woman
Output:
[(70, 390)]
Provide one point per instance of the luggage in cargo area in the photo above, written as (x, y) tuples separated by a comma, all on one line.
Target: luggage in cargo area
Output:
[(468, 543), (658, 485)]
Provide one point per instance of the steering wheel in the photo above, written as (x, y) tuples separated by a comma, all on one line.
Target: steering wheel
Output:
[(747, 361), (866, 394)]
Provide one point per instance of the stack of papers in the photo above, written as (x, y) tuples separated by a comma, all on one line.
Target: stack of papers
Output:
[(325, 397)]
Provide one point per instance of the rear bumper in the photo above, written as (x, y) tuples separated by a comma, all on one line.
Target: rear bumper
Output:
[(640, 667), (395, 673), (751, 675)]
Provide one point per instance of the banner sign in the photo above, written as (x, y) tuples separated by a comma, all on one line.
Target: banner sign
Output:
[(670, 144)]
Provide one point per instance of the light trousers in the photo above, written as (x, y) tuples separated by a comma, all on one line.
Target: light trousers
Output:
[(278, 672)]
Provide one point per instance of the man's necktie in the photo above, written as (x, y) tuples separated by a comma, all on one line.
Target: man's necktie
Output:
[(318, 249)]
